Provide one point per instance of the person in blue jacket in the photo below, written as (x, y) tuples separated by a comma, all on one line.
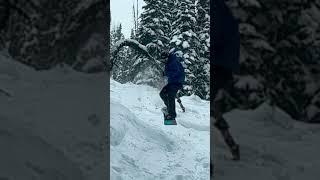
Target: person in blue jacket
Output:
[(224, 57), (174, 72)]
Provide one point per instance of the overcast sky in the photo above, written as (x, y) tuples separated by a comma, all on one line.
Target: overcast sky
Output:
[(121, 12)]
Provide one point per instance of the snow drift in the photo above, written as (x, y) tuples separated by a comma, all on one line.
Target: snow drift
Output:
[(273, 146), (52, 125), (143, 148)]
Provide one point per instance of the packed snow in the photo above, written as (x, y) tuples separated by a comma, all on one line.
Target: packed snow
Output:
[(52, 123), (273, 146), (49, 139), (143, 148)]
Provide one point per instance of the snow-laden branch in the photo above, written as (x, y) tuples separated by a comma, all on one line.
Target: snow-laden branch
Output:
[(7, 6), (134, 45)]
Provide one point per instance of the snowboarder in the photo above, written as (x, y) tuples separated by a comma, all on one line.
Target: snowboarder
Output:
[(225, 61), (175, 76)]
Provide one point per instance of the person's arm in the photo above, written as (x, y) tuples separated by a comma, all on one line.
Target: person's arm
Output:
[(165, 72)]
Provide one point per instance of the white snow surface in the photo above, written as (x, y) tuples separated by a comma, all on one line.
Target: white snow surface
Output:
[(273, 146), (143, 148), (40, 139), (51, 123)]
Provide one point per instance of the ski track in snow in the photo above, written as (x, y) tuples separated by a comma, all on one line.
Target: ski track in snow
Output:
[(272, 147), (143, 148)]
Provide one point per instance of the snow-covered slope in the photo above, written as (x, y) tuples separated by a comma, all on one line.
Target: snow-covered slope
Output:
[(142, 148), (273, 147), (52, 123)]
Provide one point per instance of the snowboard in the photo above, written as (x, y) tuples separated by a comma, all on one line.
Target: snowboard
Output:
[(166, 121)]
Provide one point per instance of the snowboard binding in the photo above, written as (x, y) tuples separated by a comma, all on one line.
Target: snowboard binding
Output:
[(168, 120)]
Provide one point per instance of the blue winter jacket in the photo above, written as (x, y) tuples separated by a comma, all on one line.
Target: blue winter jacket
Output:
[(225, 37), (174, 69)]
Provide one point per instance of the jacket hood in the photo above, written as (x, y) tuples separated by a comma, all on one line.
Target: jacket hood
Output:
[(171, 54), (172, 50)]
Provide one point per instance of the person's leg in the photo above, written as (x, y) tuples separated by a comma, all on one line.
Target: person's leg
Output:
[(164, 95), (217, 85), (172, 92), (222, 81)]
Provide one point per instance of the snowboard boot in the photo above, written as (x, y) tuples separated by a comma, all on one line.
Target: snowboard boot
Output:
[(169, 120), (235, 151)]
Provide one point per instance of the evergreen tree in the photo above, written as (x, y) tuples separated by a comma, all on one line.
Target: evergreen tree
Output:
[(276, 59), (121, 70), (203, 27), (203, 32), (43, 34), (185, 38), (153, 32), (132, 35), (174, 24)]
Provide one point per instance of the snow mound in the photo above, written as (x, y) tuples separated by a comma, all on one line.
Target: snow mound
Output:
[(38, 114), (272, 144), (12, 69), (32, 156), (143, 148)]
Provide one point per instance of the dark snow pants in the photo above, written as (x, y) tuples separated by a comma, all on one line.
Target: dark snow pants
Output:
[(168, 95), (221, 83)]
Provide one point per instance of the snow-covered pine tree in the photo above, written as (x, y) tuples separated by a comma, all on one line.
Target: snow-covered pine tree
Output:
[(203, 27), (173, 24), (250, 84), (185, 39), (54, 32), (122, 66), (116, 34), (278, 45), (132, 35), (155, 26), (153, 32), (203, 32)]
